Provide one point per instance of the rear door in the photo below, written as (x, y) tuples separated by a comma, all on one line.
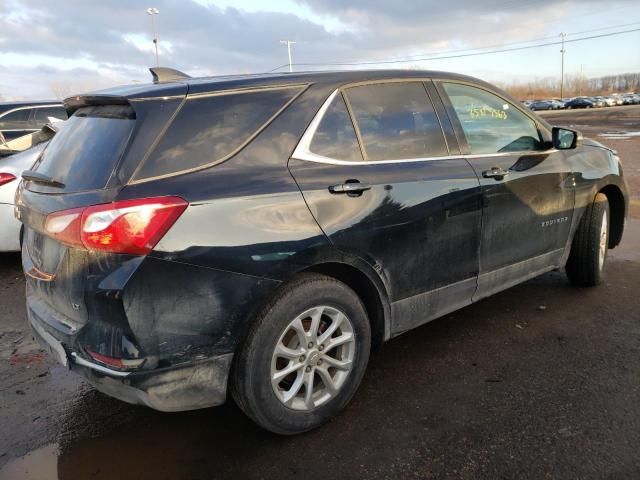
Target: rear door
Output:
[(527, 186), (386, 185)]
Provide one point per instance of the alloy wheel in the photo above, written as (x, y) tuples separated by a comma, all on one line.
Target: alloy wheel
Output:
[(312, 358)]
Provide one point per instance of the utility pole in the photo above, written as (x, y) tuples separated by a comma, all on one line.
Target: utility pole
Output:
[(562, 35), (153, 12), (289, 43)]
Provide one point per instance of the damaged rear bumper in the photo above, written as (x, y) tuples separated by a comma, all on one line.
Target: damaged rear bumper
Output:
[(185, 387), (189, 386)]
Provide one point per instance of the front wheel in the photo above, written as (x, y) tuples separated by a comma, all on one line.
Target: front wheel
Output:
[(585, 266), (304, 357)]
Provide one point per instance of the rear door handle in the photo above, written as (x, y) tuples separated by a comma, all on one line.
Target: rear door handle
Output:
[(495, 172), (351, 187)]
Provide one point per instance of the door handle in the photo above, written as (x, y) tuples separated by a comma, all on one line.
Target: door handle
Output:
[(495, 172), (351, 187)]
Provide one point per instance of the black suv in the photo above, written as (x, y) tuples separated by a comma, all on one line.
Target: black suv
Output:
[(263, 233), (20, 118)]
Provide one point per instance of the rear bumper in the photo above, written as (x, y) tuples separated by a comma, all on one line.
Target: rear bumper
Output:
[(186, 387), (190, 386), (9, 229), (184, 321)]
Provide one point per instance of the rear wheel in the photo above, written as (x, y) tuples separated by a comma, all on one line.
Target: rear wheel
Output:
[(588, 256), (305, 356)]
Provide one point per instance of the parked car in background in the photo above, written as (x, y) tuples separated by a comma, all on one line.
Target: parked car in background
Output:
[(253, 234), (28, 141), (24, 151), (630, 99), (609, 101), (546, 105), (21, 118), (580, 102)]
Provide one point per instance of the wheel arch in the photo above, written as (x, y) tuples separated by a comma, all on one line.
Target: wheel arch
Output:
[(616, 211), (372, 295)]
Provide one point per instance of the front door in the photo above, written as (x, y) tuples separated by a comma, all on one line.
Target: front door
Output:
[(390, 192), (527, 187)]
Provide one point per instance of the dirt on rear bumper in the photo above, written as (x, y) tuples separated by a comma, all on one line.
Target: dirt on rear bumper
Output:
[(197, 385)]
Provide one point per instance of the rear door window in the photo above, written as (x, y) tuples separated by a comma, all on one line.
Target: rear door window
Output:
[(45, 115), (84, 154), (210, 128), (16, 120), (335, 136), (396, 121)]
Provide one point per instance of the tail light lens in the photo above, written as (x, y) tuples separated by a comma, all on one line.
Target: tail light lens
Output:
[(6, 178), (128, 226)]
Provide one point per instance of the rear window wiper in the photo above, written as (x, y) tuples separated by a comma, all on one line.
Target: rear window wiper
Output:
[(36, 177)]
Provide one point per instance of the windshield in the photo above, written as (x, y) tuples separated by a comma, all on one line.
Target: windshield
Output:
[(84, 154)]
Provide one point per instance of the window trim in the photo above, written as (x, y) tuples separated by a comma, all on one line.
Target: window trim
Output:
[(302, 152), (301, 89)]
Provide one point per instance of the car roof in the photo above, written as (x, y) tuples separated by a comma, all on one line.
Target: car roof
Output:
[(231, 82)]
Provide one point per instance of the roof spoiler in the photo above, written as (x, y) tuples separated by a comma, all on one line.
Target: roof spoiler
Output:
[(74, 103), (164, 74)]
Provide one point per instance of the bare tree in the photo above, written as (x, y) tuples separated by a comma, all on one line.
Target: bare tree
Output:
[(575, 85), (62, 89)]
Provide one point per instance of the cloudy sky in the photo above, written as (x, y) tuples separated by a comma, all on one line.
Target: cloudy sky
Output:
[(62, 47)]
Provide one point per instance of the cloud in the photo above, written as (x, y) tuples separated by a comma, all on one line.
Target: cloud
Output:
[(112, 37)]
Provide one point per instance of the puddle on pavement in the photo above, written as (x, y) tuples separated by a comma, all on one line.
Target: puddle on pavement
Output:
[(41, 464), (152, 445)]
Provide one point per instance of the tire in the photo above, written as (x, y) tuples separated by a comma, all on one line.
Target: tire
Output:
[(282, 405), (587, 259)]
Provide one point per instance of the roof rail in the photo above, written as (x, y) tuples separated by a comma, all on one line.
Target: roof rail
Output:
[(164, 74)]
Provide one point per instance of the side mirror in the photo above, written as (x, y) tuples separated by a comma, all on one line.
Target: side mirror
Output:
[(564, 138)]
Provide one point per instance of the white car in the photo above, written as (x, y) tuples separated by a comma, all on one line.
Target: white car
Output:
[(11, 168)]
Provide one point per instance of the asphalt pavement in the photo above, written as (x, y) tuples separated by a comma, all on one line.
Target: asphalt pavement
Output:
[(539, 381)]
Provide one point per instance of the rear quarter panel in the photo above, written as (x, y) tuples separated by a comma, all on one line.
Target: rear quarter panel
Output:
[(246, 230)]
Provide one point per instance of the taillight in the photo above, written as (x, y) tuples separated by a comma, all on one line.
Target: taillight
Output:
[(127, 226), (6, 178)]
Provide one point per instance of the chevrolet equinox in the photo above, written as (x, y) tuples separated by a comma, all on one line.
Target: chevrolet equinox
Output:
[(262, 233)]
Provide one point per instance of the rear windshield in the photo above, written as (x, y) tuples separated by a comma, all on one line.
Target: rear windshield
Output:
[(85, 152), (209, 129)]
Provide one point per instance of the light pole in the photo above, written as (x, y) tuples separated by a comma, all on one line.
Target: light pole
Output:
[(289, 43), (562, 35), (153, 12)]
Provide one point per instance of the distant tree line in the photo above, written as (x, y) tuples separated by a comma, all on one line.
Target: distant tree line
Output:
[(574, 85)]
